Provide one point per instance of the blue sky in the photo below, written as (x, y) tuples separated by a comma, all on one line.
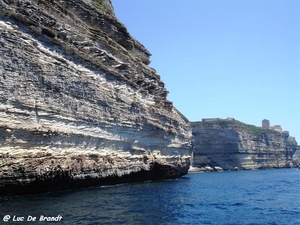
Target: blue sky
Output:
[(223, 59)]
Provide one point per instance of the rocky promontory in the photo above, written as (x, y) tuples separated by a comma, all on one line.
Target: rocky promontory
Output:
[(79, 105), (232, 145)]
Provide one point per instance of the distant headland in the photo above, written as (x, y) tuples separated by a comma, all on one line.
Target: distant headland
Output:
[(232, 145)]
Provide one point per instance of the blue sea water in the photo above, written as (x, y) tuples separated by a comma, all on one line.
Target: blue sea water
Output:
[(264, 197)]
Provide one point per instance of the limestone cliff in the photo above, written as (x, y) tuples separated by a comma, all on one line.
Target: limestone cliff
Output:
[(296, 156), (232, 144), (79, 105)]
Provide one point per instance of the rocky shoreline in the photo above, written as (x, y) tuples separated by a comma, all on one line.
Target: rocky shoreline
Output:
[(64, 180)]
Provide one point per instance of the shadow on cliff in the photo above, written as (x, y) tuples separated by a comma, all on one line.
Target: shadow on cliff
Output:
[(216, 147)]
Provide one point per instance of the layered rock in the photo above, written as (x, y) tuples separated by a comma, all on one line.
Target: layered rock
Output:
[(231, 144), (79, 105), (296, 156)]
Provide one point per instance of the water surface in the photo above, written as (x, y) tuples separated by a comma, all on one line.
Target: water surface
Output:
[(231, 198)]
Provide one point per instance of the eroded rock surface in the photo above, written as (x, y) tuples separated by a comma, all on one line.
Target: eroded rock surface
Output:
[(79, 105), (233, 145)]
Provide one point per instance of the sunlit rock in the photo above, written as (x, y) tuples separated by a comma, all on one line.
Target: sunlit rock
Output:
[(79, 105), (233, 145)]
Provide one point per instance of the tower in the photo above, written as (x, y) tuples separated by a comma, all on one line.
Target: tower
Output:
[(265, 124)]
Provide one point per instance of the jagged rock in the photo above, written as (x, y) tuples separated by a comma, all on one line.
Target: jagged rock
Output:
[(79, 105), (233, 145), (209, 169), (194, 169), (218, 169)]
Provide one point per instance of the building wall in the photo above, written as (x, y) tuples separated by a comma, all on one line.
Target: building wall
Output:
[(266, 124)]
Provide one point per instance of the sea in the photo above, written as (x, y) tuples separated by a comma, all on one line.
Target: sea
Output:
[(262, 197)]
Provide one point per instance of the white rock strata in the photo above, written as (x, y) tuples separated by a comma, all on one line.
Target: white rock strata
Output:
[(78, 104), (233, 145)]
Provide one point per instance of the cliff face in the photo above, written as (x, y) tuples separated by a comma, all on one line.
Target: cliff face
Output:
[(78, 104), (296, 156), (231, 144)]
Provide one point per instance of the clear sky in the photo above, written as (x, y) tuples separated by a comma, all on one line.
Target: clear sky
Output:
[(217, 58)]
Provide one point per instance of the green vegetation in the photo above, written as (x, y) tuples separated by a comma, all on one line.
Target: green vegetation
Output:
[(181, 115), (99, 5), (231, 124), (256, 130)]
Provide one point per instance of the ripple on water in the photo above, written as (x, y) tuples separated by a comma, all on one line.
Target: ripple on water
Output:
[(228, 198)]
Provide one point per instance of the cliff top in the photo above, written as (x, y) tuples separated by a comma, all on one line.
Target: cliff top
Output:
[(239, 126)]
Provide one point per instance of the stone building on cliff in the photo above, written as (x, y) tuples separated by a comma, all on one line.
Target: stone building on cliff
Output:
[(265, 124), (231, 144)]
